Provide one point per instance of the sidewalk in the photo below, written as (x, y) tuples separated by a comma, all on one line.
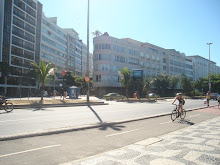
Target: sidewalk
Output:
[(197, 144)]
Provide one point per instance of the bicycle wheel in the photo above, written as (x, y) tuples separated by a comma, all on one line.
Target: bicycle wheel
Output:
[(8, 107), (173, 115), (183, 114)]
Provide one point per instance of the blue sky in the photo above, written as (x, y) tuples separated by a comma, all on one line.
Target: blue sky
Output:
[(184, 25)]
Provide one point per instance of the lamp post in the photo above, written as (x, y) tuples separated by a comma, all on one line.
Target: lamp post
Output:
[(209, 67), (87, 72)]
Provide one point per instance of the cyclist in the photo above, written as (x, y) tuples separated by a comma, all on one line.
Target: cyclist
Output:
[(181, 100)]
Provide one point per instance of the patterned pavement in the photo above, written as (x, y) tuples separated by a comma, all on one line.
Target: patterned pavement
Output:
[(196, 145)]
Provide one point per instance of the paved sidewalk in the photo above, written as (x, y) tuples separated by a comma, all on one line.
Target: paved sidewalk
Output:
[(197, 144)]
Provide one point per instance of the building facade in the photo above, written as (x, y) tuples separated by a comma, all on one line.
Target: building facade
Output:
[(112, 54), (20, 34), (28, 36), (201, 67)]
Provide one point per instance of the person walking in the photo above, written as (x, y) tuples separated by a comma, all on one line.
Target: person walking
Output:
[(208, 97)]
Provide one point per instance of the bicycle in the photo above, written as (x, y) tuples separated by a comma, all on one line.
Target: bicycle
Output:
[(8, 106), (175, 113)]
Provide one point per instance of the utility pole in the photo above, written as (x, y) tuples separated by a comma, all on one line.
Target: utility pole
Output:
[(87, 72), (209, 68)]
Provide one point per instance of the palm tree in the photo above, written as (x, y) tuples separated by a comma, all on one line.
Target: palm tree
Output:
[(125, 79), (96, 33), (42, 72)]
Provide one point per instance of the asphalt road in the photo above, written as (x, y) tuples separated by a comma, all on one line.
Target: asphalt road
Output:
[(32, 120), (65, 147)]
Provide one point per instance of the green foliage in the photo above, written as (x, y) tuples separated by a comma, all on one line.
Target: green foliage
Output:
[(196, 93), (161, 82), (126, 80), (186, 84), (147, 86), (174, 80), (42, 71)]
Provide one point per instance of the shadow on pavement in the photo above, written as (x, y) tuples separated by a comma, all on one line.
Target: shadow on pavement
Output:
[(186, 122), (112, 126), (95, 114)]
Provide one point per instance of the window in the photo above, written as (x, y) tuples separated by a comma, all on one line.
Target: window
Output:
[(133, 61), (115, 78), (104, 57), (164, 60), (133, 52), (120, 59)]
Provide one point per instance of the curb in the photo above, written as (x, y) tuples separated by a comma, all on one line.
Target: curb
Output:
[(84, 127), (59, 105)]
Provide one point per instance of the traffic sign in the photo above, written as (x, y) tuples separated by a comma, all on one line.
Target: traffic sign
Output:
[(64, 72), (87, 79)]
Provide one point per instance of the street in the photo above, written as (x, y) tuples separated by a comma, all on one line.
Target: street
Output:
[(32, 120), (72, 146)]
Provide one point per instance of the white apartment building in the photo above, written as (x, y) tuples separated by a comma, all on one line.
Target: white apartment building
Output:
[(112, 54), (201, 66), (63, 48)]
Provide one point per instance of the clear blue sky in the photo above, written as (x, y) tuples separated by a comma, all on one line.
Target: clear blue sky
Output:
[(184, 25)]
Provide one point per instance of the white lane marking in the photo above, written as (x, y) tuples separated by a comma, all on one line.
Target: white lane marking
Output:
[(195, 115), (21, 152), (166, 122), (19, 120), (122, 133)]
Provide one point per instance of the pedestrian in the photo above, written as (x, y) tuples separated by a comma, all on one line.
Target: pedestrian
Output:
[(208, 97), (135, 95)]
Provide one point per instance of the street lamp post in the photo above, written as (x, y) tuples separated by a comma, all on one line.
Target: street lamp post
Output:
[(87, 72), (209, 67)]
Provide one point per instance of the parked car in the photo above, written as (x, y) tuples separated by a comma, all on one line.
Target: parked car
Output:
[(113, 96), (214, 96), (153, 95)]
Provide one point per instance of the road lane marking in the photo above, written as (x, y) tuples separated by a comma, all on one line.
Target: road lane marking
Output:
[(21, 152), (122, 133), (195, 115), (19, 120), (166, 122)]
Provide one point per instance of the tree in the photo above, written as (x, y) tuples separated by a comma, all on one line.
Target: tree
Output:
[(96, 33), (161, 82), (201, 84), (186, 84), (147, 86), (174, 80), (42, 72), (126, 79)]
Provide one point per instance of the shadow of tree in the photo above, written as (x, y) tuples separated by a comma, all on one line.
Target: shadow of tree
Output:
[(115, 127), (100, 120)]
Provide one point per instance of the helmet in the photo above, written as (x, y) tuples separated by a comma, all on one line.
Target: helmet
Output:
[(178, 94)]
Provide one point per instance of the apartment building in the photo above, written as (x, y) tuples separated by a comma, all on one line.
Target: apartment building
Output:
[(20, 32), (112, 54), (27, 36), (201, 66)]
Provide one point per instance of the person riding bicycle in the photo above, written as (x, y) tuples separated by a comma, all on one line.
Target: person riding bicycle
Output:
[(181, 100)]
